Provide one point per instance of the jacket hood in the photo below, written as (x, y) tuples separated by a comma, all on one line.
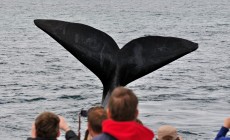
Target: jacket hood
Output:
[(128, 130)]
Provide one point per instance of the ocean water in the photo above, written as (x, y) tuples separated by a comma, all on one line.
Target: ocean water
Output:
[(37, 74)]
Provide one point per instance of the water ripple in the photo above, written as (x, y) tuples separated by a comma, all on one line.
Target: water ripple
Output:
[(38, 74), (188, 133), (77, 97)]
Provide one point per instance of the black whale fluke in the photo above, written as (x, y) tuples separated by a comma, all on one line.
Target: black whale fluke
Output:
[(114, 66)]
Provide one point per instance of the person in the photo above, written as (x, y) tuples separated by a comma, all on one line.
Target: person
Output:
[(167, 132), (47, 126), (122, 113), (95, 116), (224, 130)]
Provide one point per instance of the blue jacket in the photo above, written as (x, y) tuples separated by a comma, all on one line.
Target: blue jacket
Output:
[(222, 133), (104, 136)]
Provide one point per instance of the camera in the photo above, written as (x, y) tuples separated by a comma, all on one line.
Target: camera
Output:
[(84, 113)]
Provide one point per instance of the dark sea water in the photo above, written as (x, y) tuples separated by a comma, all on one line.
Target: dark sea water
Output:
[(37, 74)]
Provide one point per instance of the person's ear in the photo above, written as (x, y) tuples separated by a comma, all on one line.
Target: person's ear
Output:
[(90, 130), (108, 113), (59, 133), (88, 125), (136, 114), (33, 131)]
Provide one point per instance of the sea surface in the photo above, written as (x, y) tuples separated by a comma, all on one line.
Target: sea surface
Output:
[(37, 74)]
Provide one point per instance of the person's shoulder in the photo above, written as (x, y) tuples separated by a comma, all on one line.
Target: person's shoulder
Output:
[(223, 138), (104, 136), (30, 138), (71, 135)]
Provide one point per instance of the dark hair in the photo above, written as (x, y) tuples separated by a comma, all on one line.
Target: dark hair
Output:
[(139, 121), (96, 115), (47, 125), (86, 134), (123, 104)]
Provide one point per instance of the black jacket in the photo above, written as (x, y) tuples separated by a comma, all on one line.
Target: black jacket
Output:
[(70, 135)]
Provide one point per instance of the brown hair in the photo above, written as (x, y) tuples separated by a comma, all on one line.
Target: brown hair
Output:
[(96, 115), (139, 121), (86, 134), (47, 125), (123, 104)]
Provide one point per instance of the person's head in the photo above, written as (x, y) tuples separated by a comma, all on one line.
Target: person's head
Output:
[(167, 132), (96, 115), (47, 125), (122, 105)]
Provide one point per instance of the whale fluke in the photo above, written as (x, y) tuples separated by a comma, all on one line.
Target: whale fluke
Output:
[(114, 66)]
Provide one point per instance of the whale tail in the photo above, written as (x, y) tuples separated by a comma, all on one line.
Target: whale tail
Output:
[(114, 66)]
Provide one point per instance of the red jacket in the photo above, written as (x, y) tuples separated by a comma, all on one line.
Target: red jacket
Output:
[(129, 130)]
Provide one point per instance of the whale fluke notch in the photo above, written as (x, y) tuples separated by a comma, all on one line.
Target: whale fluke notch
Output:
[(114, 66)]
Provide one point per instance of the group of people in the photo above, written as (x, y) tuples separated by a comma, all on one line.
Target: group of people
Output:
[(117, 122)]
